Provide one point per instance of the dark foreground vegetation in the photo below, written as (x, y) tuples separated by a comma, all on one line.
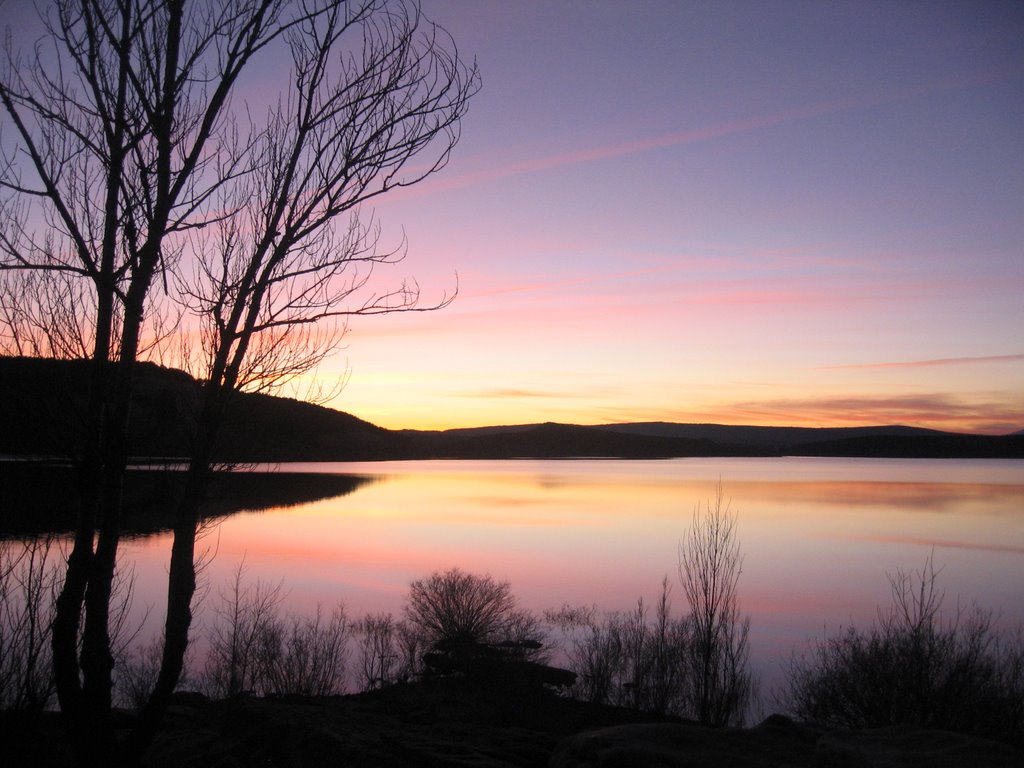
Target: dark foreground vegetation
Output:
[(42, 396)]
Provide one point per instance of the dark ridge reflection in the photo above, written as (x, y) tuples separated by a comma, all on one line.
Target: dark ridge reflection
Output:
[(39, 498)]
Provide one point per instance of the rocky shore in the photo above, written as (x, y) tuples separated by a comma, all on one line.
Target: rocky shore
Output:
[(456, 722)]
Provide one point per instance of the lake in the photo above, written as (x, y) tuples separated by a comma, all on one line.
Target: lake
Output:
[(818, 536)]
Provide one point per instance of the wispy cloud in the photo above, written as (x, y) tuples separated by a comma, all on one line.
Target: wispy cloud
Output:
[(942, 361), (523, 393), (994, 415), (712, 132), (542, 284), (939, 543), (503, 393)]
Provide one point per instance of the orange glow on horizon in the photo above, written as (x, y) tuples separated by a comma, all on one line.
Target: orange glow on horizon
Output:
[(1000, 422)]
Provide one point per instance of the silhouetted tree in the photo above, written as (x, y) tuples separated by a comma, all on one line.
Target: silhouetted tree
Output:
[(720, 684), (132, 193)]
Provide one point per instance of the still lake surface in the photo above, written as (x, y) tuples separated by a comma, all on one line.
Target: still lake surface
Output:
[(818, 536)]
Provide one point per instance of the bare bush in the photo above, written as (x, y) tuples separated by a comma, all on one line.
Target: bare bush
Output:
[(666, 645), (914, 666), (390, 651), (455, 608), (460, 607), (137, 670), (379, 655), (721, 685), (470, 625), (29, 579), (254, 649), (246, 616), (625, 659), (595, 651), (526, 637), (304, 656), (412, 644), (696, 666)]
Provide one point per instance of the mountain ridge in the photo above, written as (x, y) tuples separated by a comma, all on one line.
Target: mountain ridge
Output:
[(41, 400)]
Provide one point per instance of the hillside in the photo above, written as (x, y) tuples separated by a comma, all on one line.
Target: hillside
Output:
[(41, 402)]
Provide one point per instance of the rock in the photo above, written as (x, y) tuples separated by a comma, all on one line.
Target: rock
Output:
[(775, 743), (909, 747)]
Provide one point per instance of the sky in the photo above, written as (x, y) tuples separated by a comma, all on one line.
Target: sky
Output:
[(759, 212), (786, 213)]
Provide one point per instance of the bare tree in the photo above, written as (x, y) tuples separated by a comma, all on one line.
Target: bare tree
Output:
[(113, 116), (273, 288), (127, 171), (720, 683)]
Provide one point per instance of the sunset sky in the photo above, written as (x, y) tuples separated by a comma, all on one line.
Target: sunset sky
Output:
[(789, 213), (739, 212)]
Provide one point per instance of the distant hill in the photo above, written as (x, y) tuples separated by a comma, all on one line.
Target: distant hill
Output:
[(41, 402)]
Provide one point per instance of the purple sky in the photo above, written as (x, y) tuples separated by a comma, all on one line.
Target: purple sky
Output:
[(745, 212)]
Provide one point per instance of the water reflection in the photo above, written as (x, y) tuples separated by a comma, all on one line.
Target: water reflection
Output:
[(818, 535), (41, 498)]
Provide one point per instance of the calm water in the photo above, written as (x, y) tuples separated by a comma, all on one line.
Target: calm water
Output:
[(818, 535)]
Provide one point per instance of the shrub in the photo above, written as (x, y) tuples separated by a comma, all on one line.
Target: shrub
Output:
[(253, 649), (29, 579), (379, 655), (304, 657), (137, 671), (625, 660), (721, 686), (914, 667), (696, 666), (470, 624), (244, 621), (458, 607)]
